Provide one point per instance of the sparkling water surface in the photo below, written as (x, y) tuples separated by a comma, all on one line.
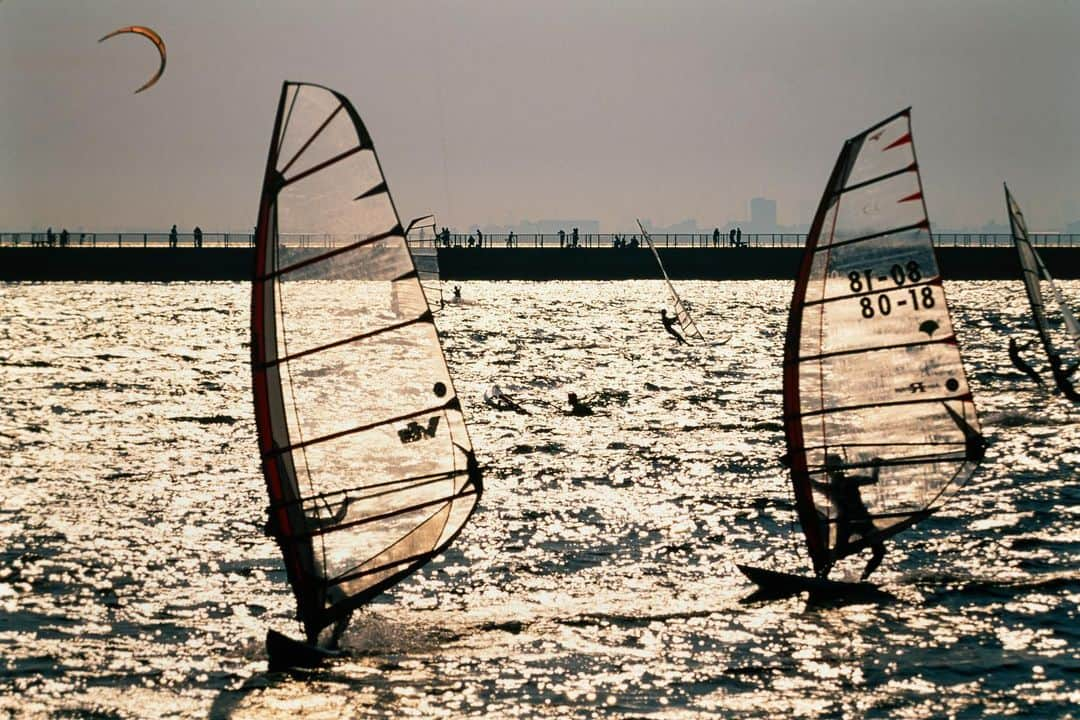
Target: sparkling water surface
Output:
[(597, 577)]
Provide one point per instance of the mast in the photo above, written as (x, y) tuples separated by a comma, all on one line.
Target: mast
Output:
[(686, 321), (875, 394), (366, 456)]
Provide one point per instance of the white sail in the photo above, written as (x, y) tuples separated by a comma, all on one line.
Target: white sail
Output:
[(364, 447), (426, 258), (682, 314), (880, 420), (1034, 272)]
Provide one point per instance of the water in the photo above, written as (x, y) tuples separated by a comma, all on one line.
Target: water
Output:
[(597, 577)]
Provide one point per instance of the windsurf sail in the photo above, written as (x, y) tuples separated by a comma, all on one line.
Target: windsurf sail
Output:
[(682, 314), (1034, 272), (426, 259), (363, 443), (880, 421)]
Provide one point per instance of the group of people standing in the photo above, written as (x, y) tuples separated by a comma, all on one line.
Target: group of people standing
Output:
[(196, 237), (734, 237)]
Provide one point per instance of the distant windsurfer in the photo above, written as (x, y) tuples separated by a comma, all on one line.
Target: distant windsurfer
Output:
[(1018, 362), (577, 407), (496, 398), (669, 325), (852, 516)]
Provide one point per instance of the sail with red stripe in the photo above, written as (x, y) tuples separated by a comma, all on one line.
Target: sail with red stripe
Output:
[(880, 421), (363, 443)]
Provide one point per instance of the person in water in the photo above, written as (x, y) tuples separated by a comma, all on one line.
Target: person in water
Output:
[(457, 292), (852, 516), (669, 325), (577, 407), (1018, 362)]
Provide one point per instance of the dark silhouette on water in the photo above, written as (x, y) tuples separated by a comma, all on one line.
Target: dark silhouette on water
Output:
[(1019, 363), (669, 325), (577, 406), (496, 398), (852, 516), (1062, 375)]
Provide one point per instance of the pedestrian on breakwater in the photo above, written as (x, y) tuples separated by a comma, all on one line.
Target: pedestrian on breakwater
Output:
[(510, 239), (716, 237), (738, 237), (562, 238), (197, 234), (173, 240), (50, 237), (731, 237), (479, 238), (64, 238)]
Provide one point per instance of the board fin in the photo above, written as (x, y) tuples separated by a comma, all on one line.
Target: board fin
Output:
[(283, 653)]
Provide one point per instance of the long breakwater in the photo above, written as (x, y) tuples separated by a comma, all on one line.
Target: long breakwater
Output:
[(165, 264)]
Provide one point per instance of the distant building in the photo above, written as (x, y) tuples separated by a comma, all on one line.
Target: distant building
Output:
[(762, 216)]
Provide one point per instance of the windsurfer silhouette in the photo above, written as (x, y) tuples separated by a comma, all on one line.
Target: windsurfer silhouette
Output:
[(1019, 363), (1062, 375), (577, 407), (669, 325), (496, 398), (852, 516)]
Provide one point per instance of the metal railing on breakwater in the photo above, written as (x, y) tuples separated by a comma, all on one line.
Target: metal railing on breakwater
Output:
[(497, 241)]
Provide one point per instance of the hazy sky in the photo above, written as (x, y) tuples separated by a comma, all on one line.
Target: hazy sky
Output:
[(497, 111)]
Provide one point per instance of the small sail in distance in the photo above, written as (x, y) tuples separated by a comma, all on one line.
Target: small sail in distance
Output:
[(682, 314)]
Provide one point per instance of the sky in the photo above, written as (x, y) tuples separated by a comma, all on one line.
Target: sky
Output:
[(496, 111)]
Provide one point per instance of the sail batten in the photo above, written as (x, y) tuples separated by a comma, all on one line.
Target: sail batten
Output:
[(878, 414), (366, 455)]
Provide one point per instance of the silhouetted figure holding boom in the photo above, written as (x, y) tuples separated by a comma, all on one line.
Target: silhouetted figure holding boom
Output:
[(669, 325), (852, 516)]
